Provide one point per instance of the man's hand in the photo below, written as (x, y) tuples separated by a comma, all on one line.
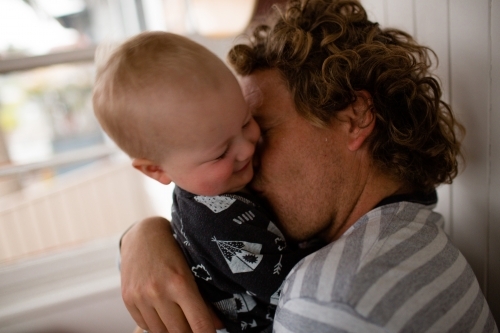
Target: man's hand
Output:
[(158, 288)]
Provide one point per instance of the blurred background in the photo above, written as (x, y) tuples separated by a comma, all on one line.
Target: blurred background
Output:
[(67, 193)]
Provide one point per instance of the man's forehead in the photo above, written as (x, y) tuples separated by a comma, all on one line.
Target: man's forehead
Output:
[(263, 85), (252, 92), (267, 96)]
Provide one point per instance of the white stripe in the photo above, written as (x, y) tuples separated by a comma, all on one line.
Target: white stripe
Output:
[(387, 281), (483, 317), (329, 271), (456, 313), (425, 295), (384, 246), (403, 234), (299, 276), (331, 316), (371, 233), (440, 222), (278, 328)]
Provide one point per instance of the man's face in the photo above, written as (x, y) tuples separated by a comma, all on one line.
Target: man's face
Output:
[(302, 170)]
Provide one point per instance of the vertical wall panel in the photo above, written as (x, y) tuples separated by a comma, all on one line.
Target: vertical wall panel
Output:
[(45, 221), (432, 30), (431, 23), (493, 290), (30, 235), (469, 52), (375, 10), (15, 244), (400, 15), (469, 57)]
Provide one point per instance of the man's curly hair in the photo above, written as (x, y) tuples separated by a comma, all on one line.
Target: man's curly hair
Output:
[(326, 50)]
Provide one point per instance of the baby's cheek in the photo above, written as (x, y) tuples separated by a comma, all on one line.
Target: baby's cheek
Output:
[(217, 183), (209, 189)]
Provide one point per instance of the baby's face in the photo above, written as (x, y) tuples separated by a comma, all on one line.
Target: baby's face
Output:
[(217, 142)]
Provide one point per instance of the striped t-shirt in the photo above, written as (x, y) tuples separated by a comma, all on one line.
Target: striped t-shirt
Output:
[(394, 270)]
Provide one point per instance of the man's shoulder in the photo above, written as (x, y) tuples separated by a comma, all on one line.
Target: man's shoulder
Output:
[(395, 267), (381, 239)]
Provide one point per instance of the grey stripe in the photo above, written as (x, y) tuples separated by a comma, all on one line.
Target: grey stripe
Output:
[(441, 304), (299, 324), (290, 280), (467, 322), (313, 274), (412, 283), (406, 216), (490, 324), (349, 263), (392, 258)]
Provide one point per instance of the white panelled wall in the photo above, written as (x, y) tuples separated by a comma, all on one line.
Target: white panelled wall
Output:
[(465, 35)]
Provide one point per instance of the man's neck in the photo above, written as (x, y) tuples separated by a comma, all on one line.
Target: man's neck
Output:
[(377, 187)]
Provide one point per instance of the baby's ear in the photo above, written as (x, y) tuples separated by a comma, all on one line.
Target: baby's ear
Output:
[(151, 170)]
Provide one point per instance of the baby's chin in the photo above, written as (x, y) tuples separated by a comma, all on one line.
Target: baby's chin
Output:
[(244, 180), (222, 190), (236, 189)]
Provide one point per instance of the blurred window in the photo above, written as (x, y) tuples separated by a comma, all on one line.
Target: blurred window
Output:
[(46, 71), (47, 125)]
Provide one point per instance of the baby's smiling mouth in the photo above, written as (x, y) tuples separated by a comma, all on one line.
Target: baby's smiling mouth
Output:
[(244, 166)]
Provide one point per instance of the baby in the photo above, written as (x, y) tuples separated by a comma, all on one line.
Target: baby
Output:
[(179, 113)]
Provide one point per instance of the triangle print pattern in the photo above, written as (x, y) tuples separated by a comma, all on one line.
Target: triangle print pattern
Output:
[(228, 307), (271, 227), (244, 302), (216, 204), (240, 256), (239, 303)]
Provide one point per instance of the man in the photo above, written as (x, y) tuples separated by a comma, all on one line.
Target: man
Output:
[(354, 141)]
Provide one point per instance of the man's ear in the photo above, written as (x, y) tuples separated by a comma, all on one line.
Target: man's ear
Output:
[(151, 170), (360, 119)]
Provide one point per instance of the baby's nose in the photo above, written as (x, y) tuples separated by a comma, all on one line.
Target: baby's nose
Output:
[(246, 150)]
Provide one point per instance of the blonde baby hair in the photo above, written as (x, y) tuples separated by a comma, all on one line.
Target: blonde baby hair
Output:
[(134, 76)]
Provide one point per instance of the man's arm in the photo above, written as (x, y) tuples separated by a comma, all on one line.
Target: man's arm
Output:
[(158, 288)]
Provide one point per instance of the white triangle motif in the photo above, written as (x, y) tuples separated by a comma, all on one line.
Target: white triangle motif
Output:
[(217, 203), (247, 303), (240, 256), (274, 229)]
